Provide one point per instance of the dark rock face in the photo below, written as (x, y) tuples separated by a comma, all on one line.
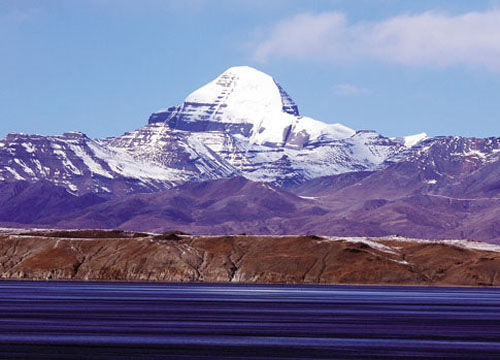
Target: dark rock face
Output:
[(181, 118), (289, 105), (245, 259)]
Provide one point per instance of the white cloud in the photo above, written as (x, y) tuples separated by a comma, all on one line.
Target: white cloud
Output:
[(349, 90), (426, 39)]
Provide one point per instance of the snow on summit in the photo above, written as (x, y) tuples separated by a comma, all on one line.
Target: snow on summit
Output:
[(250, 103), (247, 91)]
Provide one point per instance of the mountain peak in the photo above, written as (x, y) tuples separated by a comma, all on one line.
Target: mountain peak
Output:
[(244, 101), (244, 69), (247, 91), (250, 74), (411, 140)]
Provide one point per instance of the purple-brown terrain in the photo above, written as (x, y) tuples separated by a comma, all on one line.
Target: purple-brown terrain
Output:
[(237, 157), (105, 255)]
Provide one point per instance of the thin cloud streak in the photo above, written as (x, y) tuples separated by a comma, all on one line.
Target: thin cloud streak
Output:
[(133, 7), (17, 16), (349, 90), (428, 39)]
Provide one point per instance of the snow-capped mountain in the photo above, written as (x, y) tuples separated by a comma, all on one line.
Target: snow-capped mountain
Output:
[(79, 164), (249, 120), (237, 156), (243, 123), (245, 102)]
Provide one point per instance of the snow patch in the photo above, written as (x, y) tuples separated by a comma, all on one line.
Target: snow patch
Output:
[(14, 173), (411, 140), (88, 160), (122, 163), (29, 147), (72, 187), (467, 244), (371, 243), (25, 168)]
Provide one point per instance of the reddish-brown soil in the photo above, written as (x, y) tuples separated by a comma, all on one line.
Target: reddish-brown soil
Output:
[(99, 255)]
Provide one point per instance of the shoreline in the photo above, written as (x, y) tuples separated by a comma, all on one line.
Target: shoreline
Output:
[(249, 284)]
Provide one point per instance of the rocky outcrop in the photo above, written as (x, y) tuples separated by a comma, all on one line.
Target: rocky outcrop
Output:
[(175, 257)]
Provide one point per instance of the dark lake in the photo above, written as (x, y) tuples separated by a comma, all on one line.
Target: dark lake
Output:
[(86, 320)]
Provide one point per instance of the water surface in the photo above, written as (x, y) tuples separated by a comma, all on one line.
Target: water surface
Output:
[(75, 320)]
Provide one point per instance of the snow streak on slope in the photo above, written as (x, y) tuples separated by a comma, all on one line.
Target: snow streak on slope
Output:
[(163, 147), (208, 155), (80, 164)]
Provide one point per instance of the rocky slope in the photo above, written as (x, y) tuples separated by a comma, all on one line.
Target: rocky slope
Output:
[(115, 255), (448, 188), (398, 201)]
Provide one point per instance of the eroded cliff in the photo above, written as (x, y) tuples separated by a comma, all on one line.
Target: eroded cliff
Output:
[(117, 255)]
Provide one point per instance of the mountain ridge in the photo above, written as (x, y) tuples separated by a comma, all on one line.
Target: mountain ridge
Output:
[(299, 175)]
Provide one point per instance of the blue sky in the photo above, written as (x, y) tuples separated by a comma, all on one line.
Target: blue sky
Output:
[(398, 67)]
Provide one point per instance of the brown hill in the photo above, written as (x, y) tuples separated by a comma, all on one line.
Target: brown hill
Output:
[(94, 255)]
